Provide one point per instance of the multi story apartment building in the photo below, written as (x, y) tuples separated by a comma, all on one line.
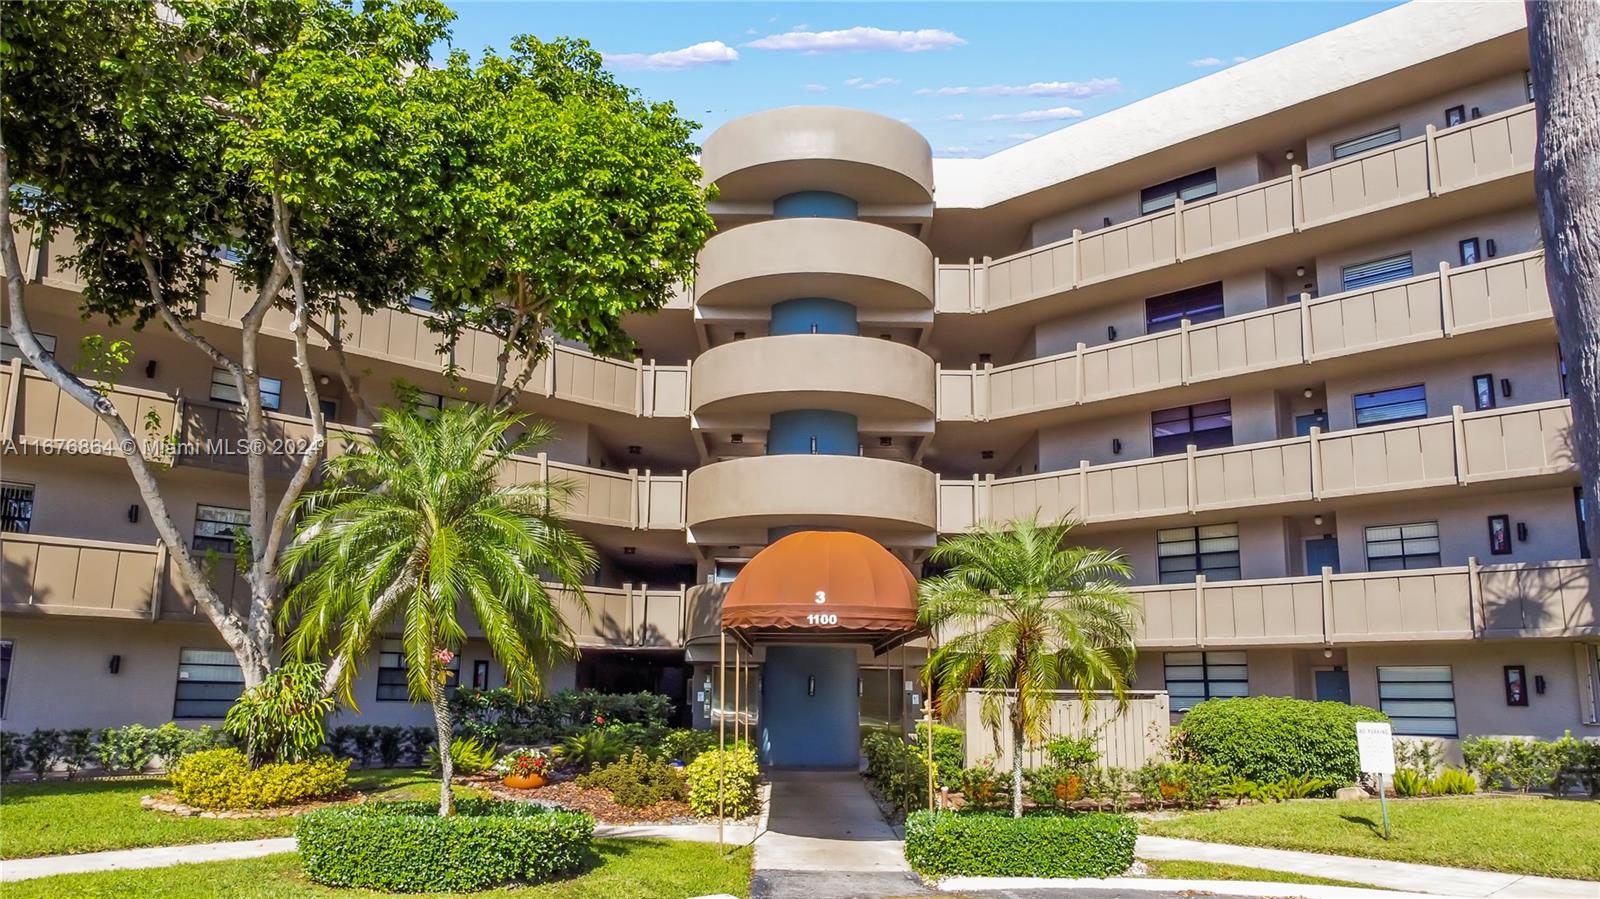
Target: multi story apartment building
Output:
[(1280, 335)]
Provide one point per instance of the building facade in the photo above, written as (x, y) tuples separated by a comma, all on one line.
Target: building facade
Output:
[(1281, 335)]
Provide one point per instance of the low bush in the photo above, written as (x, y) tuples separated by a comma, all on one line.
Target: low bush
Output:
[(467, 756), (223, 779), (10, 752), (593, 748), (1420, 754), (1187, 784), (1526, 764), (685, 744), (739, 774), (42, 749), (1269, 739), (1088, 845), (949, 752), (899, 768), (1452, 782), (499, 716), (125, 748), (408, 847), (638, 780), (281, 719), (984, 787), (1408, 783)]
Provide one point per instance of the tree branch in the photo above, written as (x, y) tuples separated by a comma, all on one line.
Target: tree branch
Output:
[(376, 616), (336, 343)]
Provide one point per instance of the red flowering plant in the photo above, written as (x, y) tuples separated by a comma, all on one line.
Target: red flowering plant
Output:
[(599, 720), (524, 763)]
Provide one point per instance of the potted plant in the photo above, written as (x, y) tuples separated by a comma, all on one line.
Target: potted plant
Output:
[(524, 769)]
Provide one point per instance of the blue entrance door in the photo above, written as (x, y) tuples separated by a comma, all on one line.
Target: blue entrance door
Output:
[(809, 707), (1333, 686), (1322, 552)]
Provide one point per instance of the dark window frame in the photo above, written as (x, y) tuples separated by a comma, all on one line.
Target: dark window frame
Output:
[(1483, 395), (1208, 659), (1412, 557), (214, 694), (16, 509), (1200, 303), (391, 680), (1373, 407), (1499, 535), (222, 380), (1378, 275), (213, 539), (1365, 143), (1476, 251), (8, 649), (1217, 562), (10, 350), (1160, 197), (1390, 698), (1458, 113), (1210, 436)]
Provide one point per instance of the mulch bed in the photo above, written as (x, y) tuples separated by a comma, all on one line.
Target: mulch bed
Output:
[(166, 803), (598, 803)]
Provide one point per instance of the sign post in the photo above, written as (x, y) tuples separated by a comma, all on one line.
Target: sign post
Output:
[(1375, 745)]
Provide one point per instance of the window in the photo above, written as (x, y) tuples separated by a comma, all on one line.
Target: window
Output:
[(1499, 535), (1528, 75), (1582, 510), (392, 673), (1197, 304), (1483, 392), (215, 526), (1395, 404), (16, 507), (224, 390), (427, 404), (1561, 368), (1401, 547), (329, 408), (1206, 425), (1454, 116), (1420, 700), (9, 349), (5, 674), (480, 674), (229, 254), (1197, 186), (1367, 274), (1469, 251), (1211, 550), (209, 680), (1193, 677), (422, 300), (1366, 142)]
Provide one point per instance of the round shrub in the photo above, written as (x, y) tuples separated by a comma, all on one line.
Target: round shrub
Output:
[(738, 786), (949, 751), (405, 847), (223, 779), (943, 844), (638, 781), (1269, 739)]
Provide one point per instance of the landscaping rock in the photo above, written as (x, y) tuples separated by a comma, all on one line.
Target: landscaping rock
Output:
[(1351, 793)]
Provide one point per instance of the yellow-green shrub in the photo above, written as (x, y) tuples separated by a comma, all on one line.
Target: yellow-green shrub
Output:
[(223, 779), (738, 782)]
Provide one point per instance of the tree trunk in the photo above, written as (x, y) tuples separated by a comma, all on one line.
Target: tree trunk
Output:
[(1564, 48), (441, 724), (1017, 737)]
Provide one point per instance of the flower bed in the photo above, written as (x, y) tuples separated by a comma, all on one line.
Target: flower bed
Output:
[(407, 847)]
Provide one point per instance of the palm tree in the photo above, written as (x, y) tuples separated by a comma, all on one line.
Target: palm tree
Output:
[(1021, 616), (414, 526)]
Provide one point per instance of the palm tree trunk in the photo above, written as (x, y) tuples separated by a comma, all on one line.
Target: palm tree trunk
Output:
[(441, 723), (1016, 759)]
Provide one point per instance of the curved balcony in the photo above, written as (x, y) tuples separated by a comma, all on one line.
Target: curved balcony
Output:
[(880, 497), (867, 157), (866, 265), (865, 376)]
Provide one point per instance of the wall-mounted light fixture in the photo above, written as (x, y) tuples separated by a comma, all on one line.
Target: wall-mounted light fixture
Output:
[(133, 514), (737, 438), (1490, 248), (886, 441), (1288, 155), (738, 335), (1327, 653), (629, 550), (987, 454), (1538, 684), (1105, 222), (811, 685), (985, 358), (1522, 532), (115, 665), (323, 380), (1116, 446), (1316, 520), (1505, 387), (150, 369), (1111, 332), (1308, 393)]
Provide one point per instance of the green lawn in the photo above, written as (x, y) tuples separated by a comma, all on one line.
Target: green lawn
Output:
[(1555, 838), (638, 869), (1188, 870), (59, 817)]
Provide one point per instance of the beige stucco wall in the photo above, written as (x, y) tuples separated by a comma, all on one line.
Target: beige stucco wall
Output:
[(1513, 231), (1490, 96), (1464, 528), (1534, 370)]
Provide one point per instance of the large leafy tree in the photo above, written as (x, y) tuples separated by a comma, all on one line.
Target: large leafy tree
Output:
[(414, 527), (1019, 616), (534, 195), (1564, 49)]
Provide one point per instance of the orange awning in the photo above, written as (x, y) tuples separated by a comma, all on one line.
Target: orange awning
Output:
[(823, 584)]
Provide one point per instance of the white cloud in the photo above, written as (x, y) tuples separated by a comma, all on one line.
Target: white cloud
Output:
[(957, 151), (1053, 114), (1022, 135), (863, 84), (1094, 87), (1212, 62), (956, 117), (858, 39), (816, 88), (705, 53)]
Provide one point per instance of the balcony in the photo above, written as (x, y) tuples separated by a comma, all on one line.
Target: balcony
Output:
[(866, 265), (627, 616), (37, 416), (1450, 302), (892, 501), (1439, 163), (868, 377), (1550, 599), (1463, 448), (871, 158)]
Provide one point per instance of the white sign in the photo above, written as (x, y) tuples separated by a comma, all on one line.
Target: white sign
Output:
[(1375, 744)]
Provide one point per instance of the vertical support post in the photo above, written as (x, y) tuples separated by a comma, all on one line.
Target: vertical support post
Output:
[(987, 393), (1185, 354), (1083, 387), (738, 698), (1431, 137), (1315, 438), (1180, 245), (159, 580), (1327, 605), (1077, 257), (722, 729), (1297, 200), (1191, 474), (1383, 801), (1083, 490), (1305, 327), (1458, 435), (14, 396), (1200, 610), (1477, 615), (980, 286), (1447, 308)]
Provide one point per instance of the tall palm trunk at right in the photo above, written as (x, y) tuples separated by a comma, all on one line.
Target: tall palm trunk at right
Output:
[(441, 723)]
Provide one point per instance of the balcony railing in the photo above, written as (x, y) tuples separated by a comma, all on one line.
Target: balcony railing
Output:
[(47, 575), (38, 417), (1438, 162), (1548, 599), (1462, 448), (1452, 301)]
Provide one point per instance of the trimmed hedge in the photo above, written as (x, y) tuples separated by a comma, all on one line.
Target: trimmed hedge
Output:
[(942, 844), (739, 775), (1269, 739), (949, 751), (223, 779), (405, 847)]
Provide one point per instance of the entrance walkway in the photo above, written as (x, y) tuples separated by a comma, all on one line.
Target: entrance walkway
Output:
[(826, 838)]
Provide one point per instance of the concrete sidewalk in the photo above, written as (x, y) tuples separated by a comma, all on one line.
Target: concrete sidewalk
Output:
[(129, 859), (1434, 879), (826, 838)]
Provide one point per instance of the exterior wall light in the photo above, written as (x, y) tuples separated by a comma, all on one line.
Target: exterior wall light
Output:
[(811, 685), (1116, 446), (133, 514), (150, 369), (115, 665)]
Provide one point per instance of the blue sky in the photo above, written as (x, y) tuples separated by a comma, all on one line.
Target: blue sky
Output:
[(974, 78)]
